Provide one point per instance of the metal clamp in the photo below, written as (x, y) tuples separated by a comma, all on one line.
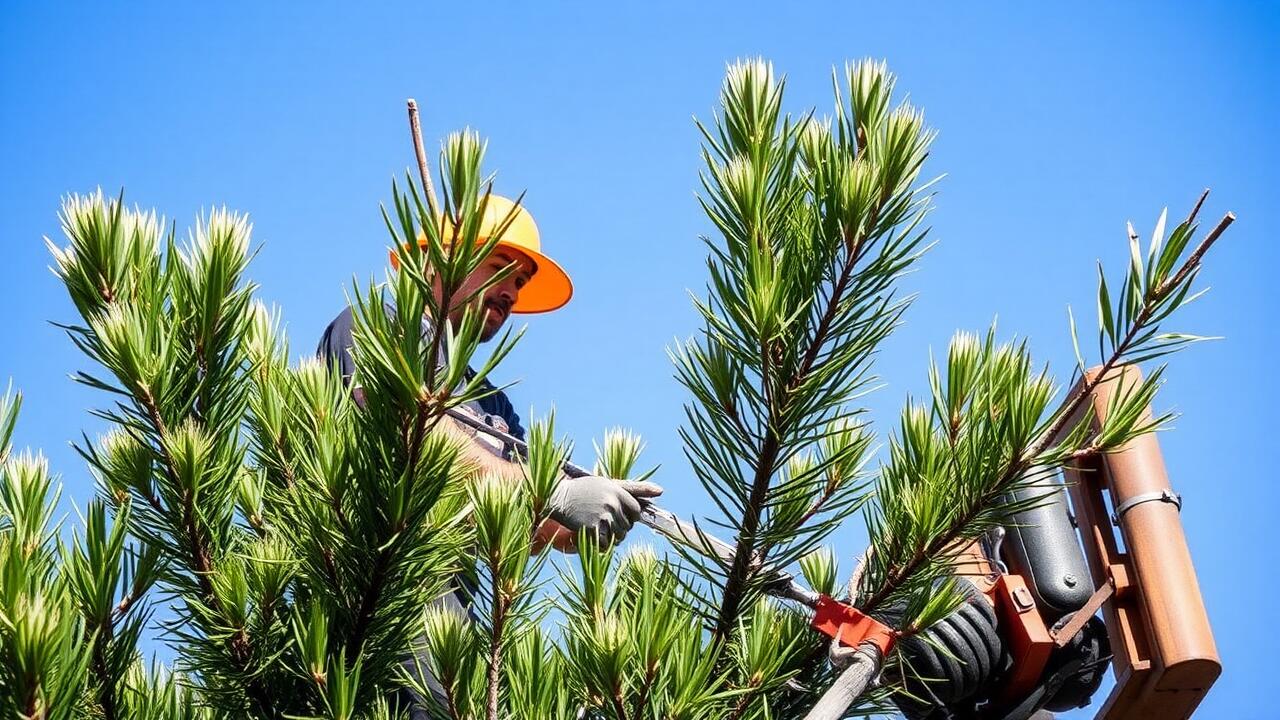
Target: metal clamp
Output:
[(1165, 495), (850, 627)]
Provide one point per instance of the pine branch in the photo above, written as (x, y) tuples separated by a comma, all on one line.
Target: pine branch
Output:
[(1066, 413), (820, 333), (1074, 403), (373, 591), (238, 646), (745, 558)]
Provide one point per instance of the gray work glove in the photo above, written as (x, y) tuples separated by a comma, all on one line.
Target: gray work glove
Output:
[(602, 505)]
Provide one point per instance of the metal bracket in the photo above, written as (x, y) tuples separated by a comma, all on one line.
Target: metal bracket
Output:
[(1062, 635), (1165, 495), (850, 627)]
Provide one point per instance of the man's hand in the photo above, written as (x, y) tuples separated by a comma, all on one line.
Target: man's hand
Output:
[(606, 508)]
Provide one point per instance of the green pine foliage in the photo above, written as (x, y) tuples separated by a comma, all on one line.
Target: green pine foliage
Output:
[(299, 533)]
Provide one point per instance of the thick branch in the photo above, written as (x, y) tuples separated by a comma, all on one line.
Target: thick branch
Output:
[(106, 693), (368, 601), (499, 619), (735, 580), (31, 703), (377, 577), (642, 698), (618, 707), (744, 702)]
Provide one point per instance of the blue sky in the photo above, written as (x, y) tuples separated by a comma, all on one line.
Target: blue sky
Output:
[(1056, 126)]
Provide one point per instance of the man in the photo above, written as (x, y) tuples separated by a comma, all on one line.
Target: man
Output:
[(607, 508)]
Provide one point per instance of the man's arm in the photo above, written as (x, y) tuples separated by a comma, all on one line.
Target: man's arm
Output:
[(478, 451), (607, 507), (481, 451)]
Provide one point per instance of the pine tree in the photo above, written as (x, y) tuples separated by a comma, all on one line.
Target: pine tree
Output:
[(298, 533)]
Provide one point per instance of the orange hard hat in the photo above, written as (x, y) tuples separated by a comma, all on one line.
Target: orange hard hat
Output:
[(549, 288)]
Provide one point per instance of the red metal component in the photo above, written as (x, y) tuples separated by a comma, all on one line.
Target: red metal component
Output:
[(1024, 632), (849, 626)]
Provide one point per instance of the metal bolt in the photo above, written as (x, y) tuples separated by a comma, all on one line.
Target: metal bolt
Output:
[(1070, 580)]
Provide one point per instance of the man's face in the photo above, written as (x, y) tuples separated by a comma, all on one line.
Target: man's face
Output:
[(498, 300)]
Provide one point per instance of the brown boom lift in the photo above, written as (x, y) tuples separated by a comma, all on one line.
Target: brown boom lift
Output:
[(1126, 536), (1163, 655)]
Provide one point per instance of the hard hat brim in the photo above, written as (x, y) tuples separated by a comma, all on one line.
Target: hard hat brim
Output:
[(549, 288)]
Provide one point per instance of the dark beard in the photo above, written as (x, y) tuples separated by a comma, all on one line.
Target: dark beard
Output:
[(486, 334)]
